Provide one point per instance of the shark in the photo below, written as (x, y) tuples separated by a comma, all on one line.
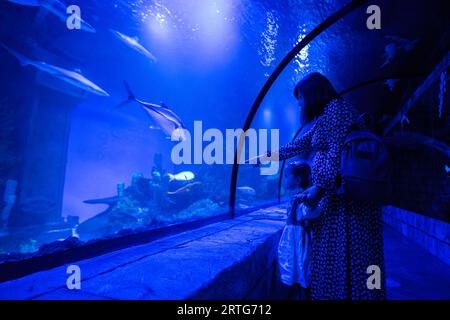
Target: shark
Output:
[(72, 77), (134, 44), (57, 8), (167, 120)]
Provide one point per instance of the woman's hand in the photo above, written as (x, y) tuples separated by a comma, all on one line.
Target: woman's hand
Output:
[(311, 196), (264, 158)]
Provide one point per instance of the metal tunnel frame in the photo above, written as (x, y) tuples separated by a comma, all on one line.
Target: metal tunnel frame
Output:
[(275, 74)]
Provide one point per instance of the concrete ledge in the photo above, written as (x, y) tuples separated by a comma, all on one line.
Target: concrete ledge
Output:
[(233, 259), (432, 234)]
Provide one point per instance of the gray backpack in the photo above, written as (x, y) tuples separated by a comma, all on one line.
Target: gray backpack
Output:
[(365, 168)]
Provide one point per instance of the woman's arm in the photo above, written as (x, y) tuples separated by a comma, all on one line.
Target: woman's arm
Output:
[(296, 147)]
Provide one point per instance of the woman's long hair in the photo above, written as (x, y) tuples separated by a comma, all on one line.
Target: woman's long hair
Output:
[(317, 91)]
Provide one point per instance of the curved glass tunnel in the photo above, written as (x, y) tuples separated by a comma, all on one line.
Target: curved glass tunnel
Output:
[(87, 162)]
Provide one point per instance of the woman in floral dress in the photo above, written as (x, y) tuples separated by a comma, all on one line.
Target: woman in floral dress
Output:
[(347, 238)]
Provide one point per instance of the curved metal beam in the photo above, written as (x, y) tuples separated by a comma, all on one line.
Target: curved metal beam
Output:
[(287, 59)]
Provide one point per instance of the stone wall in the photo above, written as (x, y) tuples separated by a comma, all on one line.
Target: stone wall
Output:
[(232, 259), (432, 234), (420, 183)]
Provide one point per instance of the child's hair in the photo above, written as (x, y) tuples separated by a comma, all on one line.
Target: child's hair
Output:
[(299, 171)]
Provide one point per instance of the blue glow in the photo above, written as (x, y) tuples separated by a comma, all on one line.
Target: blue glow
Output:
[(86, 154)]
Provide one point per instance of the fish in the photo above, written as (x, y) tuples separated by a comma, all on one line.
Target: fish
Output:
[(57, 8), (134, 44), (182, 176), (72, 77), (406, 44), (447, 169), (185, 189), (396, 47), (31, 3), (167, 120), (404, 120), (248, 191), (391, 83)]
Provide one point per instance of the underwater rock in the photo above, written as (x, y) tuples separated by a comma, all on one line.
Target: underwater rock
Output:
[(29, 246), (122, 217), (7, 257), (130, 209), (200, 209), (56, 246), (149, 203)]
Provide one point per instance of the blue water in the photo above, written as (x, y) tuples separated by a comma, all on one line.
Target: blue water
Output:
[(76, 167), (207, 61), (210, 60)]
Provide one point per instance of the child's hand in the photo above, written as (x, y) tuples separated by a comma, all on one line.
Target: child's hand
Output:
[(310, 196)]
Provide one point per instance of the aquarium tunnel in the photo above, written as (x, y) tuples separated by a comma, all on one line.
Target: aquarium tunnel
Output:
[(126, 125)]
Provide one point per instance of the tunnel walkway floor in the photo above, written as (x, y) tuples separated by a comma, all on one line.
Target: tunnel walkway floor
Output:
[(412, 272), (220, 255)]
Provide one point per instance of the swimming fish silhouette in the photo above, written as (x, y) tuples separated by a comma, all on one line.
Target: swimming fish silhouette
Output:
[(167, 120), (72, 77)]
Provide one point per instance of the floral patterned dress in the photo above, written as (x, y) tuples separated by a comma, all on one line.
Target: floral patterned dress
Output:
[(347, 238)]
